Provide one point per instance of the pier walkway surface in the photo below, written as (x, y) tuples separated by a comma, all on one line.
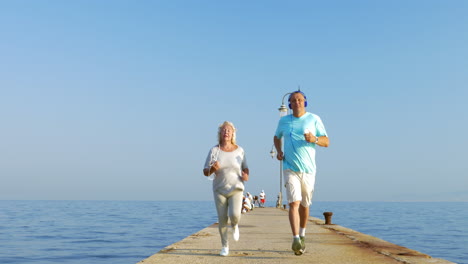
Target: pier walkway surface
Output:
[(265, 237)]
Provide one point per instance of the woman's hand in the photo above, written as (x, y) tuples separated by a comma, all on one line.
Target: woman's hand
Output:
[(214, 167), (245, 175)]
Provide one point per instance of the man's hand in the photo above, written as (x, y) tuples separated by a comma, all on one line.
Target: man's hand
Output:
[(280, 155), (309, 137)]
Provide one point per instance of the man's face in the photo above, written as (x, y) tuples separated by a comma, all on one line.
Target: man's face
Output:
[(297, 101)]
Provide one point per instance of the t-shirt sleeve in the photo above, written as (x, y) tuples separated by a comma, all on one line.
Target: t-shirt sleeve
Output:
[(320, 128), (208, 159), (244, 161), (279, 131)]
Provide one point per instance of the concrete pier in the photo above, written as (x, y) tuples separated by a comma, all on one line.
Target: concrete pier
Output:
[(265, 237)]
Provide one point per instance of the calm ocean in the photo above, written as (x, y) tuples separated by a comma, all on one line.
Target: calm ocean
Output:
[(129, 231)]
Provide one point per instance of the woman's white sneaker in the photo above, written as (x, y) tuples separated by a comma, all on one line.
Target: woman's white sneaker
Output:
[(224, 251)]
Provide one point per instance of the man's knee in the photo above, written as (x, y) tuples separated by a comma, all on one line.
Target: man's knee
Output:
[(294, 205)]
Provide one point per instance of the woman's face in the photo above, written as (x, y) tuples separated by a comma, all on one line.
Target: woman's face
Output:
[(226, 133)]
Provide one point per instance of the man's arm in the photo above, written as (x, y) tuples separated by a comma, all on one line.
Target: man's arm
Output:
[(277, 142), (322, 141)]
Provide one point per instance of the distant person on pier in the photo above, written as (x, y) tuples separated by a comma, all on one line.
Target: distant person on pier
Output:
[(256, 201), (251, 200), (246, 205), (227, 161), (262, 197), (302, 132)]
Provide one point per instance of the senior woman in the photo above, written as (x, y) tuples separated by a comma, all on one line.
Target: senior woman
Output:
[(227, 161)]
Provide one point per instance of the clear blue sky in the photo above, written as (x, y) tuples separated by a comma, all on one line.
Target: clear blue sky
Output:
[(120, 100)]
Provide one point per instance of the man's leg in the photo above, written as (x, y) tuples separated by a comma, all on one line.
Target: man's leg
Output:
[(293, 190), (307, 193), (294, 217), (295, 221), (304, 216)]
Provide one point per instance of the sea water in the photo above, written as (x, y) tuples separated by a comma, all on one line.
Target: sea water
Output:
[(95, 231), (438, 229), (130, 231)]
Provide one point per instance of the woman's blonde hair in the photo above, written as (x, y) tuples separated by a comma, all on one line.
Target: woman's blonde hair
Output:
[(233, 141)]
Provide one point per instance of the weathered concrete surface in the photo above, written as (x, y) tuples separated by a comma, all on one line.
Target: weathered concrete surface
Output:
[(265, 237)]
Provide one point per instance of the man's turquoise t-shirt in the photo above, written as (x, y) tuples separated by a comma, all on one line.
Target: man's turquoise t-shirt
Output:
[(299, 155)]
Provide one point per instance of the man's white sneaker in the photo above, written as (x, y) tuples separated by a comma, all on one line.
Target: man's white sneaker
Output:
[(224, 251), (235, 233)]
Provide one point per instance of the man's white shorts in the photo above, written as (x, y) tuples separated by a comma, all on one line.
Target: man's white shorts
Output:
[(299, 186)]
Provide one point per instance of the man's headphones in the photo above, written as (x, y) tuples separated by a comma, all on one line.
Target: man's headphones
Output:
[(305, 98)]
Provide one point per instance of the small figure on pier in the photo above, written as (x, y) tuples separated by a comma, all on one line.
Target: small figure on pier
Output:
[(256, 201), (246, 205), (262, 197), (251, 199)]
